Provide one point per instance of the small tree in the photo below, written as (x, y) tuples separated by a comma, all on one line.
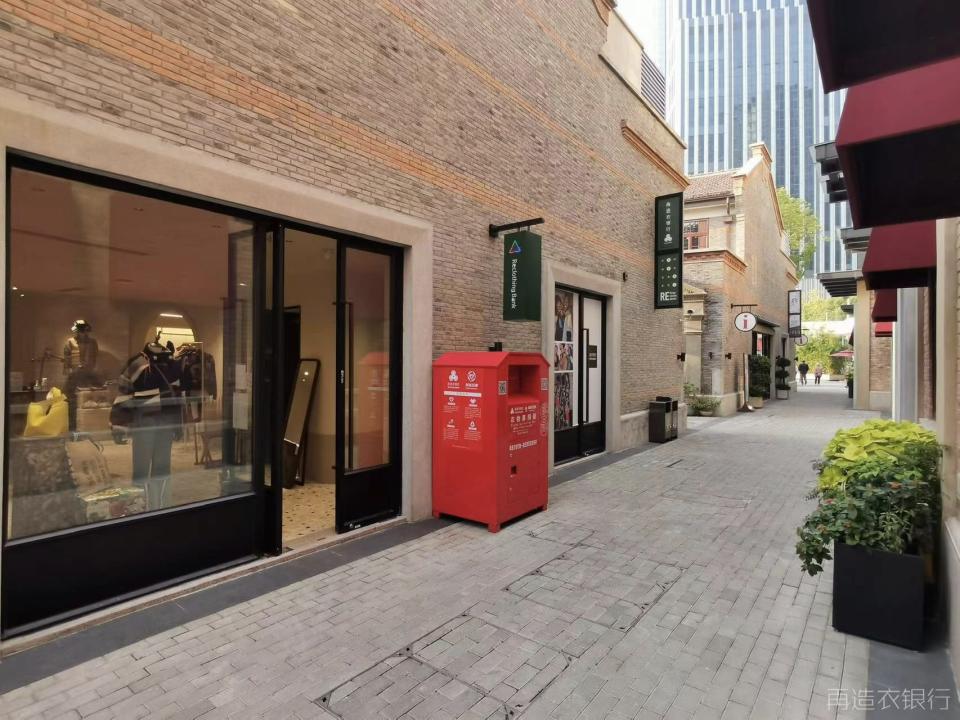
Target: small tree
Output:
[(818, 349), (802, 228), (759, 376), (817, 309)]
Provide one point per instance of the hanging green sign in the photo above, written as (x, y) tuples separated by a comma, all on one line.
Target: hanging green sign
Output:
[(668, 252), (521, 276)]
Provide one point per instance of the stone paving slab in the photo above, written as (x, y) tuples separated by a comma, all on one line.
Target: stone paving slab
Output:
[(689, 547)]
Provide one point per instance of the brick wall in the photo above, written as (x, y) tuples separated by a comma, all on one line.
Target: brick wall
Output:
[(881, 356), (762, 275), (459, 113)]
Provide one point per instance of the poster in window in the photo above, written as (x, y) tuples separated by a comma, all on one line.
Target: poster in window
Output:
[(563, 356), (563, 316), (562, 401)]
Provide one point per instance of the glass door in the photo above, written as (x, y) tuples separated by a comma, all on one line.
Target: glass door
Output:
[(579, 360), (368, 482), (269, 383)]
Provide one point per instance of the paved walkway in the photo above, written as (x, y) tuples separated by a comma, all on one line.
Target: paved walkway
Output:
[(664, 585)]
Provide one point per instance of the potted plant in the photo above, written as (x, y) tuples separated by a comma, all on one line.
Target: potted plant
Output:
[(782, 385), (850, 383), (878, 496), (704, 406), (759, 380)]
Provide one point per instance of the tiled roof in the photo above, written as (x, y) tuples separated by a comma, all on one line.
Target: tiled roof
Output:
[(714, 185)]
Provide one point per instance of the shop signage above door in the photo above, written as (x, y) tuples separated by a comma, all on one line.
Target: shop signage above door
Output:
[(745, 321), (668, 252), (794, 311), (521, 276)]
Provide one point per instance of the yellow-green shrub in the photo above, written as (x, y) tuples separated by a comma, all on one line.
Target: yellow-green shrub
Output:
[(903, 442)]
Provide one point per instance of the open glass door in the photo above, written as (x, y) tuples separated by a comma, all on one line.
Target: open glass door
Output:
[(579, 361), (368, 378), (269, 381)]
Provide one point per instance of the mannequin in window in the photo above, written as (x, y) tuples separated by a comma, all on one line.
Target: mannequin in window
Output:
[(148, 408), (79, 366)]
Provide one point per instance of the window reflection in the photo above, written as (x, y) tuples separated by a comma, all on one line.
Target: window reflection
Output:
[(129, 354), (367, 385)]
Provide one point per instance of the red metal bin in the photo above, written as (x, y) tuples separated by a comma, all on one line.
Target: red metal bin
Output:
[(489, 435)]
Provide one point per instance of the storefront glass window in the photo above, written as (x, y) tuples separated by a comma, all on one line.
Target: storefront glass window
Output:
[(129, 354)]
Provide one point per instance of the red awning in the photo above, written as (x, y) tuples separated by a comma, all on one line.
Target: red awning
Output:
[(883, 329), (885, 306), (898, 143), (862, 39), (901, 256)]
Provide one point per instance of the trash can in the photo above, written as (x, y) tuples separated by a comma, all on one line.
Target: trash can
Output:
[(673, 415), (490, 424), (659, 421)]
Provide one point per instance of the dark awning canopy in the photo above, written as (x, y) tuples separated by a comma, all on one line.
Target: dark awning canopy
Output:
[(842, 283), (855, 239), (898, 143), (884, 306), (858, 40), (901, 256)]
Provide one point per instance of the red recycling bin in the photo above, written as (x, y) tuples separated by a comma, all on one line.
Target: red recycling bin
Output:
[(489, 435)]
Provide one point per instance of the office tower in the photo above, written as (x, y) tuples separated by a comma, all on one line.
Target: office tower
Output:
[(749, 73)]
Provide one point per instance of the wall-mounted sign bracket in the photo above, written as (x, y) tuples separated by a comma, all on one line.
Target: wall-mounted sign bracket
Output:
[(497, 229)]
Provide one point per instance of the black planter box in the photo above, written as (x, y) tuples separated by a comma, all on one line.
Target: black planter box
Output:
[(878, 595)]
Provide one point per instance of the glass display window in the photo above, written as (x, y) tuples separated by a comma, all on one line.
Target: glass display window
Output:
[(129, 354)]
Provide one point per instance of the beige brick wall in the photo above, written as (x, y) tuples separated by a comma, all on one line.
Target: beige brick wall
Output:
[(762, 275), (462, 114), (881, 357)]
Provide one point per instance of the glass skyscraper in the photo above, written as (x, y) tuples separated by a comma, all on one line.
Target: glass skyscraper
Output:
[(747, 73)]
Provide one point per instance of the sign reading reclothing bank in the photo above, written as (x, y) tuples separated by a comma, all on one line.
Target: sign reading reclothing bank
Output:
[(521, 276)]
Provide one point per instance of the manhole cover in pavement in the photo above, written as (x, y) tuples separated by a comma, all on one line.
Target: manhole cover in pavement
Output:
[(546, 625), (465, 668), (637, 579), (581, 602), (563, 533)]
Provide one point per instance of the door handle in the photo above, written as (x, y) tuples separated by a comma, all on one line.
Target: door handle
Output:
[(350, 386)]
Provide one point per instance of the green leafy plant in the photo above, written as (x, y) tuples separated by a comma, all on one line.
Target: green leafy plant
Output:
[(903, 442), (759, 376), (819, 347), (690, 391), (782, 373), (703, 404), (879, 488)]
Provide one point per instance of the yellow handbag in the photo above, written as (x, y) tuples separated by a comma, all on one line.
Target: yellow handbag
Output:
[(48, 418)]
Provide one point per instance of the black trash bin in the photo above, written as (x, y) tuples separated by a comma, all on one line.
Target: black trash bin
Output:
[(673, 415), (660, 421)]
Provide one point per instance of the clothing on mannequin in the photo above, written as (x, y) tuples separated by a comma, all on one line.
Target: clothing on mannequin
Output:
[(149, 409), (80, 366)]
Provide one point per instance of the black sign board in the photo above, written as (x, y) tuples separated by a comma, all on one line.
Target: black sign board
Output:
[(591, 356), (794, 313), (668, 252), (521, 276)]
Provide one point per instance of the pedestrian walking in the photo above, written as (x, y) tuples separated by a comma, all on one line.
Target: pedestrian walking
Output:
[(817, 374), (804, 369)]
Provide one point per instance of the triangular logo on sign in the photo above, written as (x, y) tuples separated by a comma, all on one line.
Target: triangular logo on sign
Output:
[(515, 248)]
